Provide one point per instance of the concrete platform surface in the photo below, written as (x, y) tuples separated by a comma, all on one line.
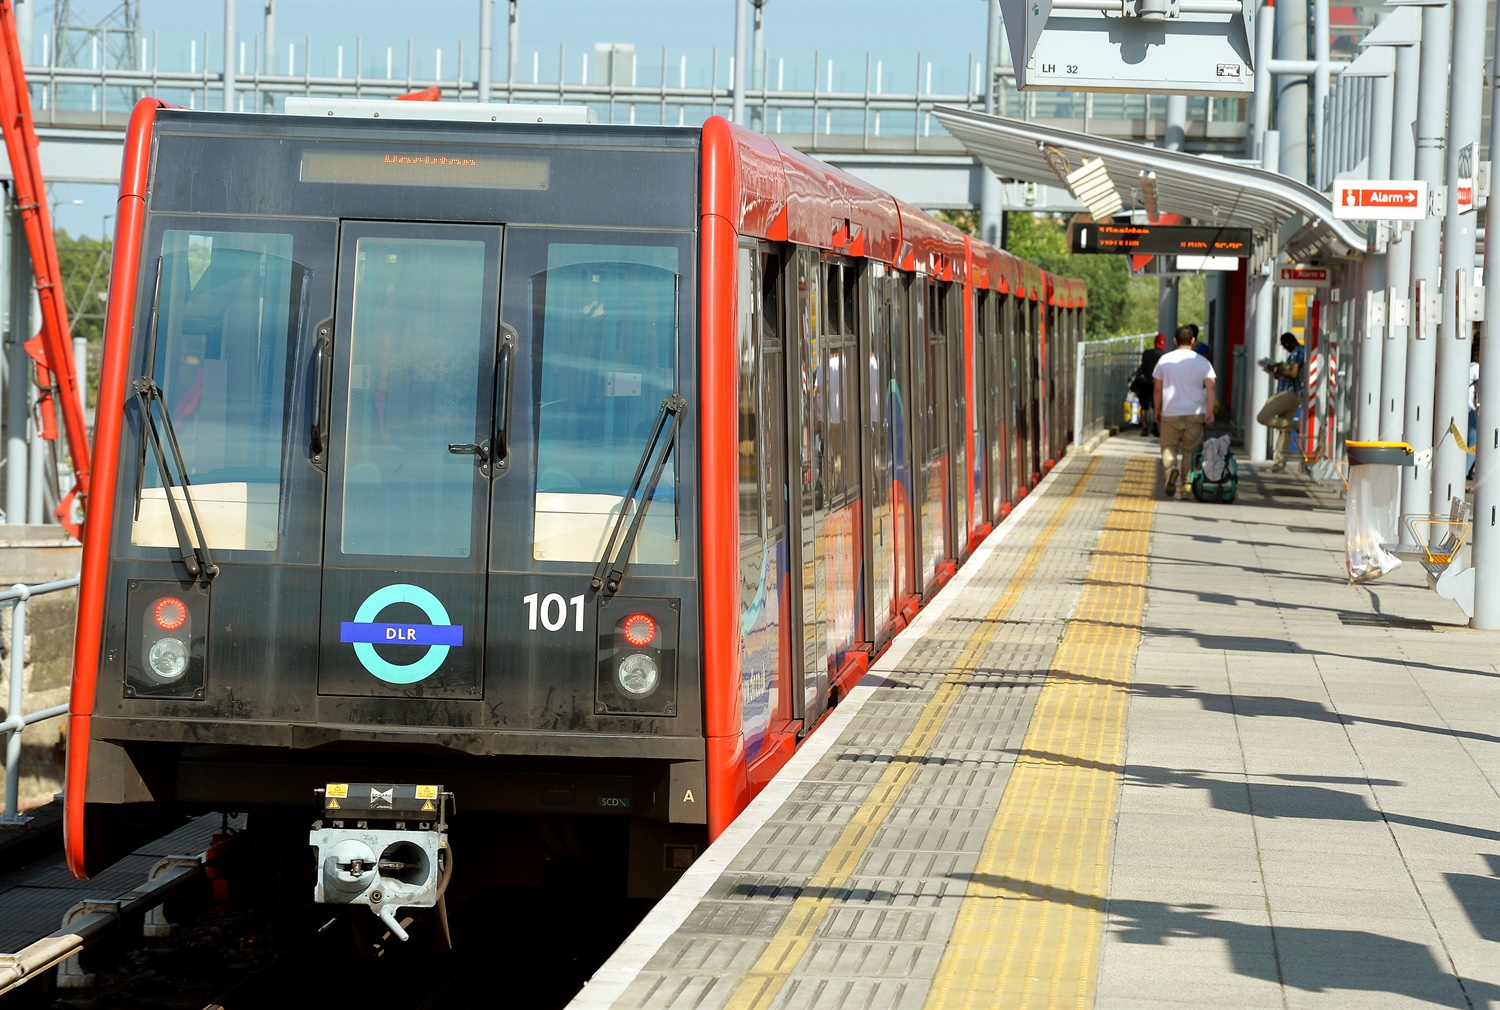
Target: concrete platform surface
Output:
[(1302, 811)]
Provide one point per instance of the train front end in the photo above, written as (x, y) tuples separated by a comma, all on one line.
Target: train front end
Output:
[(396, 504)]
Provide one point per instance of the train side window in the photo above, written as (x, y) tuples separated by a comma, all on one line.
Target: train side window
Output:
[(605, 317), (837, 419), (774, 389), (851, 289), (773, 413), (832, 299), (749, 401), (227, 308)]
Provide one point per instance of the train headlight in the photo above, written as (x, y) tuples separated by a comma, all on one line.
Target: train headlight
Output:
[(637, 657), (168, 658), (166, 641), (638, 674)]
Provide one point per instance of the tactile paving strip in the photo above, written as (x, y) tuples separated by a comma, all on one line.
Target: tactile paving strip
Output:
[(1029, 931), (847, 894)]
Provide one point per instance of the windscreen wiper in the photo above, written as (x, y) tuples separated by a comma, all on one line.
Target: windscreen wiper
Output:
[(668, 420), (198, 561)]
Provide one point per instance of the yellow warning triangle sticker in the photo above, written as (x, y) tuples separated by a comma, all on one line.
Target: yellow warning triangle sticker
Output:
[(333, 805), (428, 806)]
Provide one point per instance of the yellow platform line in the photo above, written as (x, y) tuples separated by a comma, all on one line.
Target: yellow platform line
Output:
[(1029, 932), (769, 973)]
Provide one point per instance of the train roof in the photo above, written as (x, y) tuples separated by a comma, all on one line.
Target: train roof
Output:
[(780, 194)]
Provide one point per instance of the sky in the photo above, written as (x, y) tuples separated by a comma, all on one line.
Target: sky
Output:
[(945, 30)]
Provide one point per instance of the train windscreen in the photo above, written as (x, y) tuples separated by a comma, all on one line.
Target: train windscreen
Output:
[(227, 306), (606, 319)]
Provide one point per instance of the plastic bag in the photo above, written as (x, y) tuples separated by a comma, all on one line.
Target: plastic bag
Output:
[(1372, 517)]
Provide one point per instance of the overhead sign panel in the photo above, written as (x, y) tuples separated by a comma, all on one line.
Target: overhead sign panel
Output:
[(1380, 200), (1304, 277), (1201, 264), (1161, 240), (1172, 47)]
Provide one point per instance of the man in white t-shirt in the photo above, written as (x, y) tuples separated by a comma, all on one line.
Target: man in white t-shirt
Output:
[(1184, 397)]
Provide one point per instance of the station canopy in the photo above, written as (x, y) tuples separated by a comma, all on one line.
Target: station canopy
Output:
[(1286, 216)]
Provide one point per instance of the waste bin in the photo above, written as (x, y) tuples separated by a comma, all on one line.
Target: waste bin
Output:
[(1372, 507)]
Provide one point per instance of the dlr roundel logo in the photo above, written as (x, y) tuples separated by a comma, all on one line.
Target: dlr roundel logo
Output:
[(365, 632)]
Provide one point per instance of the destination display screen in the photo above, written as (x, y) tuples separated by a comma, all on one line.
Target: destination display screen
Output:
[(1161, 240), (412, 165)]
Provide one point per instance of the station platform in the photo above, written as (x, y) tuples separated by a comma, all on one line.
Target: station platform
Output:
[(1138, 753)]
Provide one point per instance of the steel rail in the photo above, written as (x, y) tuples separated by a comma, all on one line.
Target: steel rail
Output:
[(90, 920)]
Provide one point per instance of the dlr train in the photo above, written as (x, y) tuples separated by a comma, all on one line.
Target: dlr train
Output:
[(486, 459)]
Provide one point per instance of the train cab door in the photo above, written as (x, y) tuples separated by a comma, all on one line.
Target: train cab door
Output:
[(403, 379)]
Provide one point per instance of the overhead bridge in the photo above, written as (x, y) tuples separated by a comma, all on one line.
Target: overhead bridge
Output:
[(888, 137)]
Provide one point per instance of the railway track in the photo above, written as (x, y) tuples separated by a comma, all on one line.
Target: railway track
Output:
[(224, 941)]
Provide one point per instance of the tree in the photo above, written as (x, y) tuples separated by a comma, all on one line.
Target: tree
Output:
[(1043, 239), (85, 277)]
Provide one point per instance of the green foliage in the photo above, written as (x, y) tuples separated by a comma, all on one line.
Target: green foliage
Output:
[(85, 276), (1114, 296), (1119, 303), (966, 221)]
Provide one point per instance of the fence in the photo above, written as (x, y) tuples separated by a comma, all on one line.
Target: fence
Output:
[(811, 94), (1104, 371), (16, 719)]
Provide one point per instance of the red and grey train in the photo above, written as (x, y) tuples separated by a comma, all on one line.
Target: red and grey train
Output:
[(564, 473)]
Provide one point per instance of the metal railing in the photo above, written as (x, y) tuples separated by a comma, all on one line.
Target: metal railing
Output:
[(1104, 371), (810, 94), (17, 719)]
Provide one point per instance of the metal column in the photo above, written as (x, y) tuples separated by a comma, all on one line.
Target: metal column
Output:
[(1257, 382), (1175, 139), (1426, 253), (1404, 31), (512, 47), (1320, 85), (737, 113), (1380, 63), (230, 103), (18, 370), (1260, 106), (1291, 93), (1486, 551), (1451, 386), (486, 47), (991, 205)]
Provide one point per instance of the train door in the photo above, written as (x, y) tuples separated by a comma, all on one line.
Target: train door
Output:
[(806, 366), (992, 406), (842, 499), (902, 410), (400, 418), (937, 515), (1022, 392), (974, 384), (956, 403), (1031, 312), (769, 670), (1056, 390), (877, 458)]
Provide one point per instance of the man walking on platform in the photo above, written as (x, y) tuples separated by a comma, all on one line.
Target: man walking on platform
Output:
[(1184, 398)]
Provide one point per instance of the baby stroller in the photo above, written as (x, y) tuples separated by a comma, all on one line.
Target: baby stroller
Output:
[(1215, 476)]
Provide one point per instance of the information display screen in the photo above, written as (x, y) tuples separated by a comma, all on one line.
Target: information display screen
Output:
[(1161, 240)]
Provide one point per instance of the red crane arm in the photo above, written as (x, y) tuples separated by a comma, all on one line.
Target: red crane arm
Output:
[(55, 338)]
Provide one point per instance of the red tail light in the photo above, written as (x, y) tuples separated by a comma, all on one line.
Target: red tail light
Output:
[(639, 630)]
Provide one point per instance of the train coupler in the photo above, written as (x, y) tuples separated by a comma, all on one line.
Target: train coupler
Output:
[(382, 845)]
